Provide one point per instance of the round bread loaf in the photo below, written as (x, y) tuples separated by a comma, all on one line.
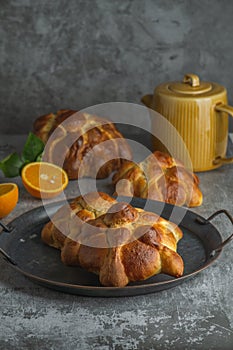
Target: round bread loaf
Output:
[(159, 177), (83, 144), (118, 242)]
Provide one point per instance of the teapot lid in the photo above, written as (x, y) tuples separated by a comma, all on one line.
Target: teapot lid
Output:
[(191, 85)]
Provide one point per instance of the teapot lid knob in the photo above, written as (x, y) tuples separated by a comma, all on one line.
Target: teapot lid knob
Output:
[(191, 79)]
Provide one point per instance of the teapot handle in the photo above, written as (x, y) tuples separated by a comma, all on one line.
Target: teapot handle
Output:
[(147, 100), (227, 109)]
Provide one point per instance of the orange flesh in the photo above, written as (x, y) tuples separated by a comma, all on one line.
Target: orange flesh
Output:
[(5, 189), (8, 198), (44, 180), (41, 177)]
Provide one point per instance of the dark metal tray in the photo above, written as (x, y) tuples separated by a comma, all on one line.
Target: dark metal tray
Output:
[(22, 248)]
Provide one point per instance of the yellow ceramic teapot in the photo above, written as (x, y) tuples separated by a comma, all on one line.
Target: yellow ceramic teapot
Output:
[(199, 112)]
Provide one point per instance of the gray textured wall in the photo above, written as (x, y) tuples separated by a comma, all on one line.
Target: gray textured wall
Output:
[(72, 54)]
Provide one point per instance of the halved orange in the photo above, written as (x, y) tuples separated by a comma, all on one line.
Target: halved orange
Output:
[(9, 195), (44, 180)]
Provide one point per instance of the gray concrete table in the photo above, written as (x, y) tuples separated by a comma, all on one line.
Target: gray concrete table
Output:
[(197, 314)]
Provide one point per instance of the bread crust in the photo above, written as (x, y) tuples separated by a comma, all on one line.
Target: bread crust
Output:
[(159, 177), (71, 135), (120, 243)]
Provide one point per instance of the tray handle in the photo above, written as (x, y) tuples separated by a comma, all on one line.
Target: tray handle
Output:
[(203, 221), (5, 227), (5, 255)]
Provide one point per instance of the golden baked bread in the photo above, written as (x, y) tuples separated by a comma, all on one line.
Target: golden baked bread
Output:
[(159, 177), (118, 242), (75, 135)]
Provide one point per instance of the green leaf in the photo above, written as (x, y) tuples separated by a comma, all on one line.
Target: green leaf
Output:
[(32, 148), (11, 165), (39, 157)]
